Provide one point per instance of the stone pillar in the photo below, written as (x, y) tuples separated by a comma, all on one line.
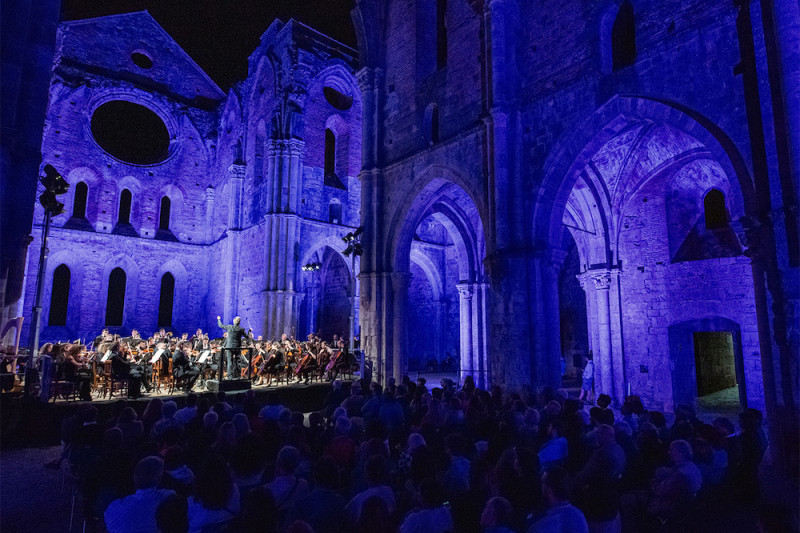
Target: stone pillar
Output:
[(440, 336), (209, 229), (400, 281), (786, 15), (466, 365), (617, 341), (603, 355), (511, 327), (473, 329), (281, 235), (231, 247), (313, 304), (547, 340), (376, 308)]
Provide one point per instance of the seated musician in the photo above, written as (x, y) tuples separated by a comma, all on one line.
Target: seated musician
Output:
[(341, 360), (122, 369), (76, 370), (185, 373), (308, 363), (274, 360)]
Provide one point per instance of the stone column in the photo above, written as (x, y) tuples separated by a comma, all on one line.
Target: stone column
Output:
[(440, 335), (473, 328), (603, 355), (546, 318), (231, 247), (466, 366), (400, 281), (209, 230)]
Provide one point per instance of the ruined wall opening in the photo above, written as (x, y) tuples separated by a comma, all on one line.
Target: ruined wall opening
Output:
[(130, 132), (165, 300), (125, 199), (79, 204), (59, 296), (334, 296), (635, 210), (623, 37), (115, 299), (440, 277)]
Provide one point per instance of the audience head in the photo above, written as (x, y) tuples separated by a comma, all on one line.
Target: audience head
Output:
[(680, 452), (603, 401), (148, 472), (605, 435), (326, 474), (169, 409), (288, 459), (556, 485), (497, 513), (214, 486), (210, 420)]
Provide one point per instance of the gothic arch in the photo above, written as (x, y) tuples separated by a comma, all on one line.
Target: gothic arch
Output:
[(126, 263), (182, 316), (574, 151), (434, 183), (91, 178), (76, 265)]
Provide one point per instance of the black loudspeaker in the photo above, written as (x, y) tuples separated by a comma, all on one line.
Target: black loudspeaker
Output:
[(228, 385)]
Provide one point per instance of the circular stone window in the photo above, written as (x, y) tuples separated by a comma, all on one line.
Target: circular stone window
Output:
[(130, 132), (141, 60), (337, 99)]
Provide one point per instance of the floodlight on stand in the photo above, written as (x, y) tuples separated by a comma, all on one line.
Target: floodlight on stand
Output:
[(349, 237), (347, 251)]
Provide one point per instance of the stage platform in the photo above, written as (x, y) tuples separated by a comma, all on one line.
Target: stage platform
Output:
[(26, 423)]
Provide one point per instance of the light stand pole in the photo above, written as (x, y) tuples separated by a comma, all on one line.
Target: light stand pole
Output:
[(54, 185), (353, 249)]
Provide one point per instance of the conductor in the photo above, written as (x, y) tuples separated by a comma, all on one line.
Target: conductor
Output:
[(233, 343)]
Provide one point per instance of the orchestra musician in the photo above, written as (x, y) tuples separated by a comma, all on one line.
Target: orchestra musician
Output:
[(76, 370), (182, 367), (233, 344), (123, 369)]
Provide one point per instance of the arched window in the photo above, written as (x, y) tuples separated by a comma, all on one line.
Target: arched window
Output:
[(163, 218), (441, 34), (714, 210), (623, 37), (115, 303), (79, 203), (431, 126), (330, 153), (435, 125), (59, 296), (165, 300), (335, 213), (125, 207)]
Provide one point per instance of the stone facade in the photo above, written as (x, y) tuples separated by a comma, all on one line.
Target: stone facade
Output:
[(602, 141), (249, 203)]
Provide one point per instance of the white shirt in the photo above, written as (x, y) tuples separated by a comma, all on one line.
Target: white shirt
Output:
[(135, 513)]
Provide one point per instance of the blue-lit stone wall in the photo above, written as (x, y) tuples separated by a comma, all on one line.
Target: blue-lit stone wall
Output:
[(540, 134), (242, 171)]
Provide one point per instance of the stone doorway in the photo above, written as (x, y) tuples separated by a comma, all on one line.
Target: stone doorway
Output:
[(714, 361)]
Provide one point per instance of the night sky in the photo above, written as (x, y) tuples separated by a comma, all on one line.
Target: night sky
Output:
[(220, 34)]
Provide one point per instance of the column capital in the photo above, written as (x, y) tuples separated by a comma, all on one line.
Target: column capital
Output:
[(600, 279), (465, 290), (236, 171)]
